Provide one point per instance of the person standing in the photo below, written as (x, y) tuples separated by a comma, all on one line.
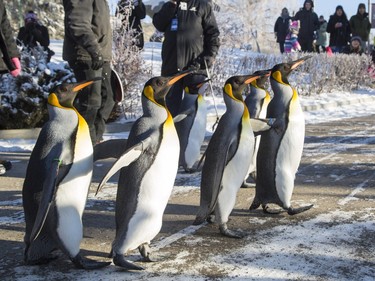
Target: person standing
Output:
[(339, 29), (133, 12), (191, 39), (88, 50), (281, 28), (10, 62), (322, 35), (309, 24), (360, 25)]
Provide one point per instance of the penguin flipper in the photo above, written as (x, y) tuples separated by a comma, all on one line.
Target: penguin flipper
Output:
[(109, 149), (129, 156), (119, 260), (260, 125), (48, 193), (182, 115), (86, 263)]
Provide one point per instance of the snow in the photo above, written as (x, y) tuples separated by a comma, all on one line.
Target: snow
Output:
[(308, 242)]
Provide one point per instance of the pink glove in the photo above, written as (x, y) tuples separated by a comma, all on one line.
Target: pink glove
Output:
[(17, 64)]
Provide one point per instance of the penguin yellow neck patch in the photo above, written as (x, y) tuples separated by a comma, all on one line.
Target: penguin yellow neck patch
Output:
[(54, 101), (278, 77), (228, 91)]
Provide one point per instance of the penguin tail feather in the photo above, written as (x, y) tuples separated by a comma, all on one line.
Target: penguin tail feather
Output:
[(119, 260)]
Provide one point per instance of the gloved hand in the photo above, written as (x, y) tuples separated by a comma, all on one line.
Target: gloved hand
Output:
[(17, 65), (97, 61)]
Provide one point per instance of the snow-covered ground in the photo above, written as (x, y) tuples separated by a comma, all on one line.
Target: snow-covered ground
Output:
[(255, 261)]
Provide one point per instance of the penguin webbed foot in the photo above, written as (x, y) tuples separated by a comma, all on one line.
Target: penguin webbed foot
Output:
[(86, 263), (231, 233), (145, 252), (268, 210), (120, 261), (295, 211)]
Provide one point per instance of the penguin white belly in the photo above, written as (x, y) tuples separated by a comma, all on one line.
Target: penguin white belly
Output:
[(197, 134), (289, 155), (234, 173), (72, 193), (155, 190)]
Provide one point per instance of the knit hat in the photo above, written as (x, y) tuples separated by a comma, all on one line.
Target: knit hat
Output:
[(309, 1), (294, 25), (356, 38), (361, 5), (30, 16), (339, 7)]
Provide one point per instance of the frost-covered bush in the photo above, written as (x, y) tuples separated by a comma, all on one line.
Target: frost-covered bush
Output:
[(129, 64), (320, 73), (23, 99)]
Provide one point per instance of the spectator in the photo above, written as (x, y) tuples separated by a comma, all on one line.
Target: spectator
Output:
[(281, 28), (33, 33), (360, 25), (339, 29), (133, 12), (322, 35), (355, 46), (309, 24), (88, 50), (10, 60), (191, 38), (291, 41)]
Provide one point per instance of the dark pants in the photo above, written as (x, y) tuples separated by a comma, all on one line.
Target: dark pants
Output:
[(95, 102), (306, 45), (281, 44)]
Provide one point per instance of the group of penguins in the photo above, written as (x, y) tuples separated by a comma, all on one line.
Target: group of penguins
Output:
[(60, 168)]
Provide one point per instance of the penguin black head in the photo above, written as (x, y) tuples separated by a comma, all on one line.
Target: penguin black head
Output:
[(280, 72), (235, 85), (157, 88), (194, 82), (261, 81), (64, 94)]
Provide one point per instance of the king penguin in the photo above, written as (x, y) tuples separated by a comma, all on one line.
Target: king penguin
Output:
[(228, 157), (57, 181), (257, 102), (280, 150), (148, 169), (191, 121)]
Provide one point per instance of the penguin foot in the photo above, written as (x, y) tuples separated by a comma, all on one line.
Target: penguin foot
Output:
[(268, 210), (255, 205), (119, 260), (145, 251), (231, 233), (211, 219), (295, 211), (86, 263)]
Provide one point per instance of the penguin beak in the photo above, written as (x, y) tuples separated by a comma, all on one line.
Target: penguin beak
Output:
[(296, 63), (84, 84), (259, 74), (177, 77)]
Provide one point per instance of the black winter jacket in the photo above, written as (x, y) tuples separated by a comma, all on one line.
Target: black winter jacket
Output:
[(281, 28), (8, 47), (309, 24), (88, 30), (338, 36), (197, 34), (32, 33)]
